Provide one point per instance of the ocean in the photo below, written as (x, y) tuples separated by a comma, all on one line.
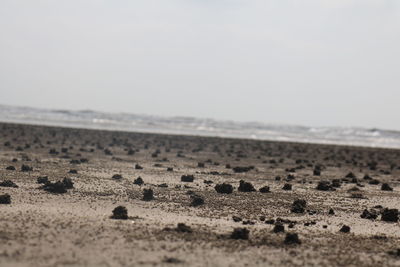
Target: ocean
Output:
[(89, 119)]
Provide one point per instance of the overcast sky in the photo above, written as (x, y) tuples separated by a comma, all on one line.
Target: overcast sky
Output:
[(309, 62)]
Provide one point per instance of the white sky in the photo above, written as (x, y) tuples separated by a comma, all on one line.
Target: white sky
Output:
[(309, 62)]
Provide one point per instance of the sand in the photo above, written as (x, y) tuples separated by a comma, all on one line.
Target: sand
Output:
[(75, 228)]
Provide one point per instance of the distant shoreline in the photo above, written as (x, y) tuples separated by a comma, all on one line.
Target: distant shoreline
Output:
[(191, 136), (351, 136)]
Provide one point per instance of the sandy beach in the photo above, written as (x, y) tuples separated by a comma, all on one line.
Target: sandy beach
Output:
[(319, 205)]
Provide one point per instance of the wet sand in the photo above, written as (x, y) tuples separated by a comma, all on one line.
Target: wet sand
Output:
[(50, 224)]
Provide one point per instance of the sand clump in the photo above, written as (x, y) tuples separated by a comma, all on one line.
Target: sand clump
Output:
[(148, 194), (138, 181), (240, 233), (5, 199), (120, 213), (8, 183), (187, 178), (292, 239), (390, 215), (299, 206), (246, 187), (224, 188)]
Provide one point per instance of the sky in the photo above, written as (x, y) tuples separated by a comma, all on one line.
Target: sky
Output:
[(309, 62)]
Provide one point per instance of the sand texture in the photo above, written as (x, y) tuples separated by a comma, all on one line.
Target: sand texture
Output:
[(186, 222)]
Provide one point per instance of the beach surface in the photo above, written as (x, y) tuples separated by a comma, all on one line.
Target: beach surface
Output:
[(341, 201)]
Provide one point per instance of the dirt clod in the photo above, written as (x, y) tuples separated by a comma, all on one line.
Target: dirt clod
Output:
[(56, 188), (117, 177), (5, 199), (386, 187), (264, 189), (148, 194), (240, 233), (187, 178), (120, 213), (224, 188), (138, 181), (183, 228), (246, 186), (279, 228), (196, 201), (390, 215), (299, 206), (345, 229), (287, 187), (26, 168), (292, 239), (8, 183)]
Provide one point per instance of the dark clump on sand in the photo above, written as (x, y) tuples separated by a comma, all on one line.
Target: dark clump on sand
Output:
[(325, 186), (390, 215), (196, 201), (120, 213), (183, 228), (138, 181), (242, 169), (287, 187), (8, 183), (292, 239), (345, 229), (172, 260), (317, 172), (117, 177), (138, 167), (270, 221), (264, 189), (56, 187), (369, 214), (246, 187), (224, 188), (386, 187), (68, 183), (236, 219), (299, 206), (336, 183), (148, 194), (26, 168), (187, 178), (374, 181), (240, 233), (5, 199), (10, 168), (395, 253), (42, 180), (279, 228), (75, 161)]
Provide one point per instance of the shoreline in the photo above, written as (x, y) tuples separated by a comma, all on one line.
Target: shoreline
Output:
[(197, 136)]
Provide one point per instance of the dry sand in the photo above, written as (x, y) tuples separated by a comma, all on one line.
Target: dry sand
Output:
[(40, 228)]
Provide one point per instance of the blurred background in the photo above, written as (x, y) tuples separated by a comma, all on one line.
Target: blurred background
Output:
[(314, 63)]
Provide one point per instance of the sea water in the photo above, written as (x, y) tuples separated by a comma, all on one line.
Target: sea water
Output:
[(203, 127)]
